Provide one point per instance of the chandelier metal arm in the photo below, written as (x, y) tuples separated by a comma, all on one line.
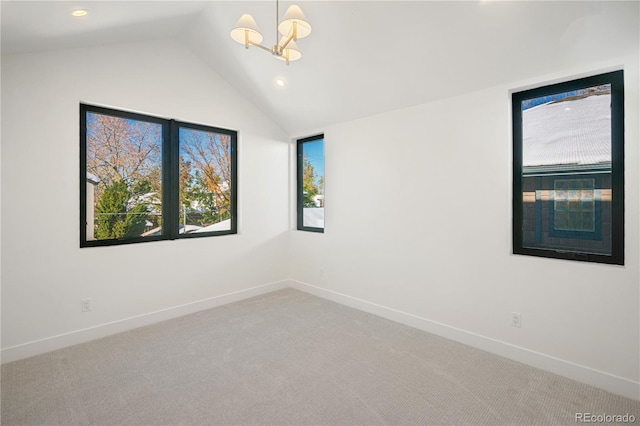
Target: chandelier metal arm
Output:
[(252, 43), (276, 50), (248, 43), (293, 36)]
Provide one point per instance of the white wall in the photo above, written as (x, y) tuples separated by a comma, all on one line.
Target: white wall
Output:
[(44, 272), (418, 229)]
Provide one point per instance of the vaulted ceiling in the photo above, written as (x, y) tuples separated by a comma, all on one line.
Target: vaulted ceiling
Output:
[(362, 58)]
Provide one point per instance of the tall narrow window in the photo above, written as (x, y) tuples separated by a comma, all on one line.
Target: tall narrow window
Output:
[(310, 184), (568, 170), (145, 178)]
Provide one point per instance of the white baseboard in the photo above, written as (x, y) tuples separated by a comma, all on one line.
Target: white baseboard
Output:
[(580, 373), (60, 341)]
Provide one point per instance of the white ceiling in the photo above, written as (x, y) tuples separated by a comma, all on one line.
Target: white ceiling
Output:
[(362, 58)]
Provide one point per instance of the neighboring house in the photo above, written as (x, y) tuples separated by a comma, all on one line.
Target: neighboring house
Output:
[(314, 216), (567, 174), (92, 182)]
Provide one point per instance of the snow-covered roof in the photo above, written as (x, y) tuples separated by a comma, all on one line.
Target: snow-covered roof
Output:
[(91, 178), (313, 217), (574, 131), (188, 229), (225, 225)]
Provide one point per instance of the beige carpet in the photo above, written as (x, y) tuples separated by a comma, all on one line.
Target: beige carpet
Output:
[(288, 358)]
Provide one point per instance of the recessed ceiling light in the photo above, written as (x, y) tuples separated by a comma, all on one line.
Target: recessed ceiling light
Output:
[(280, 82), (79, 13)]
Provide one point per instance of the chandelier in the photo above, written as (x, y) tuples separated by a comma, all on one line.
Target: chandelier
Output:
[(294, 25)]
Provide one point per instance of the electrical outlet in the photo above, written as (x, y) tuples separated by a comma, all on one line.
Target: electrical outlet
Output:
[(321, 273), (516, 319), (86, 305)]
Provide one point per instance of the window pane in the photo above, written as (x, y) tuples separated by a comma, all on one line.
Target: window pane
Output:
[(566, 150), (123, 178), (312, 191), (205, 181), (578, 201)]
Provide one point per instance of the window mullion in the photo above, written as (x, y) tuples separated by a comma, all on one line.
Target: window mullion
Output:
[(170, 183)]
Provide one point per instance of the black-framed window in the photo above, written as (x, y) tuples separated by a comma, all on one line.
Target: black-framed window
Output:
[(310, 183), (145, 178), (568, 170)]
